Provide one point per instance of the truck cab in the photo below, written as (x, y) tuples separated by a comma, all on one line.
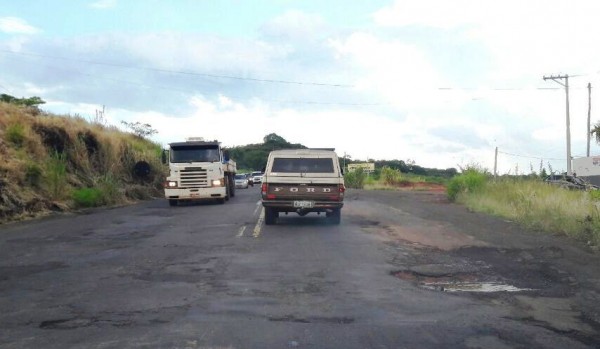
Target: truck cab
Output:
[(198, 170)]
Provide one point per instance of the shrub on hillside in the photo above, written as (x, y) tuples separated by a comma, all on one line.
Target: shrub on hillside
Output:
[(33, 174), (88, 197), (15, 134), (56, 175)]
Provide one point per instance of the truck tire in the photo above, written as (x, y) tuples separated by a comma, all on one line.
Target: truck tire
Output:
[(270, 216), (227, 187), (335, 217), (172, 202), (232, 181)]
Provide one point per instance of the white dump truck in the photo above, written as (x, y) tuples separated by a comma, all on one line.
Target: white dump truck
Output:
[(198, 170)]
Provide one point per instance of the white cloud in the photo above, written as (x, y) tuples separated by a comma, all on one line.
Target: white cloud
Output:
[(14, 25), (524, 38), (103, 4), (295, 25)]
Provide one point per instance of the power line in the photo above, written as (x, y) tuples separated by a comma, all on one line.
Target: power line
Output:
[(496, 89), (187, 91), (277, 81), (7, 90), (530, 157)]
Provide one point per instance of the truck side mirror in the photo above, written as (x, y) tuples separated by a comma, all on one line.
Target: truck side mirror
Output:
[(163, 157), (225, 155)]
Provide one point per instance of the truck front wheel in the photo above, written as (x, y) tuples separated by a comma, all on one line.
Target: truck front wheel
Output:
[(232, 184), (227, 188)]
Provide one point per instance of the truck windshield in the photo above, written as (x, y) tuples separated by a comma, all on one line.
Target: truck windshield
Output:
[(195, 154), (302, 165)]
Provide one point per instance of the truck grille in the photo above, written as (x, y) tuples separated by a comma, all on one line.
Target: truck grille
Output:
[(193, 177)]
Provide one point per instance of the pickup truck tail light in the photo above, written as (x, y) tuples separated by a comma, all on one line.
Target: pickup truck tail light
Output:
[(340, 194), (264, 189)]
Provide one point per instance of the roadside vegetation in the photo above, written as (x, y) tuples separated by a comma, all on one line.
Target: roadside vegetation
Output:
[(59, 162), (387, 178), (531, 202)]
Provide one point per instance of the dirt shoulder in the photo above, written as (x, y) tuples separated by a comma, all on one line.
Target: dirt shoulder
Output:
[(538, 279)]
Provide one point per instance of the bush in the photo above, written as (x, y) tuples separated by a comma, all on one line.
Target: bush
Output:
[(109, 188), (56, 173), (355, 179), (33, 174), (594, 195), (88, 197), (15, 134), (391, 176), (470, 181)]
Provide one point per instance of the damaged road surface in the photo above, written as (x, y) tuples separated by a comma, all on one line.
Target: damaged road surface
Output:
[(402, 270)]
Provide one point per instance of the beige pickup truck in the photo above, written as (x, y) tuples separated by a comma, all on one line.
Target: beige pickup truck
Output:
[(303, 181)]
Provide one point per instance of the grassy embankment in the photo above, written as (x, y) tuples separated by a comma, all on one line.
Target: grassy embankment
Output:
[(59, 163), (532, 203)]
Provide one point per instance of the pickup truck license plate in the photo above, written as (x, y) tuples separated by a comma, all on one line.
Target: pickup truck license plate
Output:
[(304, 204)]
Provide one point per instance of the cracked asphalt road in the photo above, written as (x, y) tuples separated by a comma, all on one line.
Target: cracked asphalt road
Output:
[(403, 270)]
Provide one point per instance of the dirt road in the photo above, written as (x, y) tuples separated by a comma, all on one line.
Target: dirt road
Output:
[(403, 270)]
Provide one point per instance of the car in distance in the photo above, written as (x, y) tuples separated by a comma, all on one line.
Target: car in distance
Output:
[(249, 178), (241, 181), (303, 181), (257, 177)]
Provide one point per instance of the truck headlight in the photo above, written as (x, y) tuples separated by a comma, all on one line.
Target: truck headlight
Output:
[(171, 184), (217, 183)]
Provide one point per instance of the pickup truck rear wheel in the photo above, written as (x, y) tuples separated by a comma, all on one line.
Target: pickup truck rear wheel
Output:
[(335, 217), (270, 216)]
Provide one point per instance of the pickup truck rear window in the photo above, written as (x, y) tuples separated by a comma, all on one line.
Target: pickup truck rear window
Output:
[(302, 165)]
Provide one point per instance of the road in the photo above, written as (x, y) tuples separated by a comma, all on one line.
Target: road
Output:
[(402, 270)]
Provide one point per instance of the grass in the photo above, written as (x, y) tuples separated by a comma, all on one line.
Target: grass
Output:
[(15, 134), (88, 197), (539, 206), (55, 160), (402, 181)]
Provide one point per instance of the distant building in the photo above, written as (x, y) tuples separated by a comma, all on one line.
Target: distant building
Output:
[(368, 167), (588, 168)]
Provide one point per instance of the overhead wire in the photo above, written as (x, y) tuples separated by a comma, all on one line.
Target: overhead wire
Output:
[(181, 72), (531, 157), (134, 83)]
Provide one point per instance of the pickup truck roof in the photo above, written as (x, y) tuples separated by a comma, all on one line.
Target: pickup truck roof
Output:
[(320, 151)]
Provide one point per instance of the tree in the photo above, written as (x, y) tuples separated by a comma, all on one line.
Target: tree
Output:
[(274, 138), (28, 102), (596, 132), (139, 129)]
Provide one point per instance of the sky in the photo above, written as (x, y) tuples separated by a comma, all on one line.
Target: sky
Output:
[(439, 82)]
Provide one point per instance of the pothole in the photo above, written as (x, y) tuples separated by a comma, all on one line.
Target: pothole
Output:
[(459, 282), (313, 319)]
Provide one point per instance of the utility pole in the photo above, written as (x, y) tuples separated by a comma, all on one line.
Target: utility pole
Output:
[(496, 163), (566, 85), (589, 134)]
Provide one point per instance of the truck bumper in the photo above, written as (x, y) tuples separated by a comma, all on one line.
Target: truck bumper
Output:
[(195, 194), (288, 206)]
